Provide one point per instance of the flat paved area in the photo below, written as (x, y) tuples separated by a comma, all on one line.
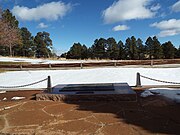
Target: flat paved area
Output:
[(152, 115)]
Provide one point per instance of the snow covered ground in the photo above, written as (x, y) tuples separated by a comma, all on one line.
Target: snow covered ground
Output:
[(96, 75), (43, 61), (32, 61)]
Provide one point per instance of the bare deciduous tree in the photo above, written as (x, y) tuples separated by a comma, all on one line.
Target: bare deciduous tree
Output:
[(9, 36)]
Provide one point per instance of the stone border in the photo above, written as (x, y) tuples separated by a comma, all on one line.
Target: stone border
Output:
[(101, 97)]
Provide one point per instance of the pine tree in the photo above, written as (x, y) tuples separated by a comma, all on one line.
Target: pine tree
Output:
[(158, 52), (84, 52), (168, 50), (10, 19), (121, 47), (149, 48), (177, 53), (131, 48), (28, 47), (75, 51), (90, 53), (99, 48), (43, 45), (141, 49), (127, 48), (134, 48), (113, 50)]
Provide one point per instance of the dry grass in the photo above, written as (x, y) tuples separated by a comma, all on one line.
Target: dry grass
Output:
[(1, 70), (12, 63)]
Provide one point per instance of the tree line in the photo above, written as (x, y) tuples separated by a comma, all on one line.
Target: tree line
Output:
[(132, 49), (15, 41)]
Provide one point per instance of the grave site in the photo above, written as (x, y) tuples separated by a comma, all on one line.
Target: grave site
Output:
[(91, 103), (89, 67), (41, 113)]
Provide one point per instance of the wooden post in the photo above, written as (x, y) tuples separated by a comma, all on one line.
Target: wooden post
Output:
[(49, 87), (20, 66), (151, 62), (115, 64), (50, 65), (81, 65), (138, 80)]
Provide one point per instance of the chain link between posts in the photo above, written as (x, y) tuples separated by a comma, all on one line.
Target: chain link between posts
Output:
[(159, 80), (20, 86)]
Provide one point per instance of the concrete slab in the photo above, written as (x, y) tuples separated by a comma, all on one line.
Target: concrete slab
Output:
[(95, 89), (90, 92)]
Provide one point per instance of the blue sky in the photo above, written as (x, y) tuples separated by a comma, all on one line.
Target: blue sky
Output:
[(70, 21)]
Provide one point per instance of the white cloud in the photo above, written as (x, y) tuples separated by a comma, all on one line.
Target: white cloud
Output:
[(127, 10), (155, 7), (168, 27), (42, 25), (176, 7), (120, 28), (167, 24), (166, 33), (48, 11)]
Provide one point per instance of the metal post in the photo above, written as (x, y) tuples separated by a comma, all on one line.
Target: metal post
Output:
[(49, 88), (138, 80)]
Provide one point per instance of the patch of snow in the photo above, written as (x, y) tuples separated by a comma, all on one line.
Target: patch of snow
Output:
[(146, 93), (44, 61), (6, 108), (4, 99), (17, 98), (2, 91), (171, 93), (13, 59)]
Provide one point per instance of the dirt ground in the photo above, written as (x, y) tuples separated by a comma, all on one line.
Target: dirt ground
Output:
[(151, 115)]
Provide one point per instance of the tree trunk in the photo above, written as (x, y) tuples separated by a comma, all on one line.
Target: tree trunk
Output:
[(10, 50)]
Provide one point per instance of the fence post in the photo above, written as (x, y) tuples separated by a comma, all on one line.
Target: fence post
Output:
[(115, 64), (49, 88), (138, 80), (151, 62), (20, 66), (81, 65), (49, 65)]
